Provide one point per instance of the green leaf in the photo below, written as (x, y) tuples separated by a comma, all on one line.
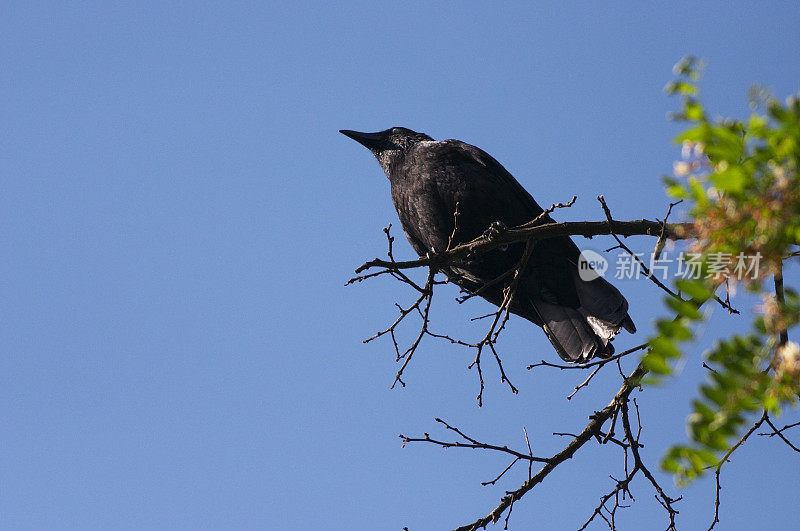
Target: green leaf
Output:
[(675, 329), (670, 464), (771, 403), (696, 289), (693, 111), (687, 66), (717, 441), (715, 394), (732, 179), (677, 191), (680, 86), (656, 364), (684, 308), (664, 347), (698, 133), (697, 191)]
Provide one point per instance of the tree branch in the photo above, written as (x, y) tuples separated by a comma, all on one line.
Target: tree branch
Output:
[(598, 364), (646, 270), (592, 429), (783, 334), (643, 227), (778, 432), (724, 460), (662, 498)]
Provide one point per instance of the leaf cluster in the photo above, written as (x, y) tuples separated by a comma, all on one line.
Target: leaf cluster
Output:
[(739, 179)]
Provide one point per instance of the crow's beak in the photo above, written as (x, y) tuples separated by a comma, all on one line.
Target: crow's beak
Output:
[(368, 140)]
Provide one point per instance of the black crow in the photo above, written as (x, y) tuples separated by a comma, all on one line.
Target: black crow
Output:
[(429, 178)]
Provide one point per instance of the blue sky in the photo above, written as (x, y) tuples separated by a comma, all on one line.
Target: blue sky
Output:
[(180, 215)]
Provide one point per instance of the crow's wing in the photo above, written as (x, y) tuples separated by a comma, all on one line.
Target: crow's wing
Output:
[(438, 175)]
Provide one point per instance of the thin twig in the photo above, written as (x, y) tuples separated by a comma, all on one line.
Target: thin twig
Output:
[(646, 270), (783, 334), (788, 426), (724, 460), (661, 237), (599, 362), (665, 500), (471, 442), (776, 431), (584, 383), (591, 429)]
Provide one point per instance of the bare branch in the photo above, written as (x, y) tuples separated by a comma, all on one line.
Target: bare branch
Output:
[(644, 268), (663, 499), (452, 237), (584, 383), (783, 334), (530, 453), (494, 331), (399, 275), (622, 486), (470, 442), (724, 460), (591, 430), (778, 432), (599, 362), (661, 237), (647, 272), (457, 255), (549, 210), (427, 295), (540, 232), (787, 427)]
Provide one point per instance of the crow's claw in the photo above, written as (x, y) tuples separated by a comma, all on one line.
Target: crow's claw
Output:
[(432, 254), (495, 229)]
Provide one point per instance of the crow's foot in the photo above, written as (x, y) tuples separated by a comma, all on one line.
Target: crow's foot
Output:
[(495, 229), (432, 254)]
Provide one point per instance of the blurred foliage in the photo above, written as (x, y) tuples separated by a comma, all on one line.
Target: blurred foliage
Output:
[(739, 181)]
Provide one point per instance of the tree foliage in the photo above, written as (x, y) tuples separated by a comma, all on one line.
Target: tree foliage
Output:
[(740, 182)]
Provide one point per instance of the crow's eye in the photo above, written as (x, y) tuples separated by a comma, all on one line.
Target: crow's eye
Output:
[(395, 130)]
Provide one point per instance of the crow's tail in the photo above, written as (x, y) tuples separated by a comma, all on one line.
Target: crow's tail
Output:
[(579, 334)]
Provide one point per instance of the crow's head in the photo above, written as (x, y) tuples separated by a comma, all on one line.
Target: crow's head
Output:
[(388, 145)]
